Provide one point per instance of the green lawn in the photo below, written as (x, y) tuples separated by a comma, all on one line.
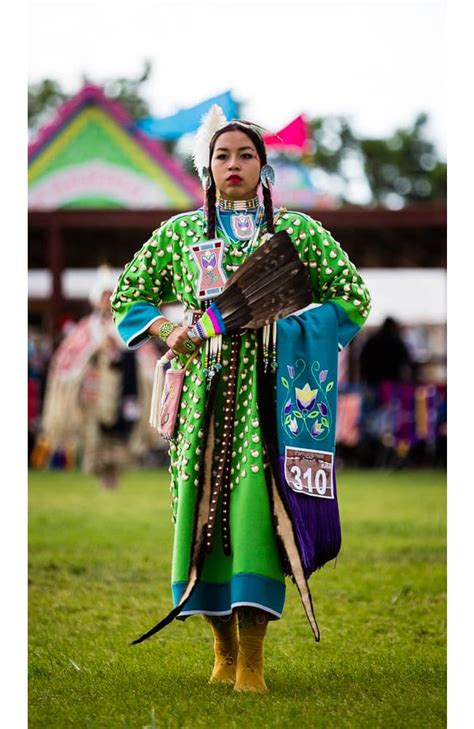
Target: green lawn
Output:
[(99, 576)]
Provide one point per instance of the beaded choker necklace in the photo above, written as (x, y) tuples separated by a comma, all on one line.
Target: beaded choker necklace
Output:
[(238, 204)]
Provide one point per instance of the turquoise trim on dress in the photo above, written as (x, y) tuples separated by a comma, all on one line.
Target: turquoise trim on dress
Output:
[(134, 325), (211, 598)]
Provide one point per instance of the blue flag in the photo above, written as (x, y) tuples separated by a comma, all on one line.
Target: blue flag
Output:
[(187, 120)]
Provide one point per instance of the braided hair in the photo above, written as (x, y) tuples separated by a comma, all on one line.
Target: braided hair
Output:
[(210, 200)]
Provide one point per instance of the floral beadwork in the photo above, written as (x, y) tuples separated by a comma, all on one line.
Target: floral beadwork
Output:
[(306, 407)]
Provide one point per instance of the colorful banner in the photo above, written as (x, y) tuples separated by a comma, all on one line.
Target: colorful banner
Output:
[(294, 137), (186, 120)]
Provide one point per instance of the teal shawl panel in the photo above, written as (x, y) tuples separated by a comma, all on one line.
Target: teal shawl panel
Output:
[(306, 404)]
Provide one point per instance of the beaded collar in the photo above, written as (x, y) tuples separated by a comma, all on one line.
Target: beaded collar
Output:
[(238, 204)]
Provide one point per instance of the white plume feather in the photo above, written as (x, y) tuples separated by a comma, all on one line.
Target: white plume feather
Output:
[(213, 120)]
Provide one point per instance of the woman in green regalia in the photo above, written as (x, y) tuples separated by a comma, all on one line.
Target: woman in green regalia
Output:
[(232, 571)]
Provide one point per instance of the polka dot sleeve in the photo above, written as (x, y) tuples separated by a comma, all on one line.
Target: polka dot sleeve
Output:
[(140, 288), (334, 277)]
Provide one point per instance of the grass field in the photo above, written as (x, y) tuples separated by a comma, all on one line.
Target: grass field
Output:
[(99, 576)]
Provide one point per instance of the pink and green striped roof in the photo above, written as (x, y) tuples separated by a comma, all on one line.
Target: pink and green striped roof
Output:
[(92, 155)]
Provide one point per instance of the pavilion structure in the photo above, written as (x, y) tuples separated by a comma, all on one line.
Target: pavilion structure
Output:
[(91, 161)]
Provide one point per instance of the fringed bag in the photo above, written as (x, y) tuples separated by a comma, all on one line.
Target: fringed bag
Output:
[(166, 395)]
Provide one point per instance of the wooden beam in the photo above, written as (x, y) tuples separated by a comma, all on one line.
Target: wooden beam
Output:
[(55, 258), (419, 216)]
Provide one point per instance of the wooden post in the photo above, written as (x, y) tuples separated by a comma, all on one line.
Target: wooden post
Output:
[(55, 261)]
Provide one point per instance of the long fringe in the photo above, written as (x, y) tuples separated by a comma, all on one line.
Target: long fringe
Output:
[(157, 392), (317, 525)]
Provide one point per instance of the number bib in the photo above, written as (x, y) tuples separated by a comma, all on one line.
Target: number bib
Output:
[(309, 472)]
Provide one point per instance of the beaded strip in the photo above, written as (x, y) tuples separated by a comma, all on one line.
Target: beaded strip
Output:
[(199, 331), (222, 479), (212, 358), (265, 345), (270, 357), (274, 347)]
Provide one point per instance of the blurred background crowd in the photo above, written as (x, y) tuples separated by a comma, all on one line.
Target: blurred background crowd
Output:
[(104, 171)]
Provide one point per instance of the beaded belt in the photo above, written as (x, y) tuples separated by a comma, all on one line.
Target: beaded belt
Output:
[(222, 479)]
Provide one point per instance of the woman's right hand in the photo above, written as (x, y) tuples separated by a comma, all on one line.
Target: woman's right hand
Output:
[(176, 340)]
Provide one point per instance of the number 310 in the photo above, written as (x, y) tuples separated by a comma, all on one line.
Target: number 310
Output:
[(320, 480)]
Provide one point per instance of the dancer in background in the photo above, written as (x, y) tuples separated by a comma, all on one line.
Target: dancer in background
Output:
[(385, 356), (98, 394), (235, 539)]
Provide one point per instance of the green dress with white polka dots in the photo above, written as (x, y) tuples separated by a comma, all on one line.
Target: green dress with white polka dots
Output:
[(163, 271)]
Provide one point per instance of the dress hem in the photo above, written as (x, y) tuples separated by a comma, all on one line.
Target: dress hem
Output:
[(188, 613), (211, 598)]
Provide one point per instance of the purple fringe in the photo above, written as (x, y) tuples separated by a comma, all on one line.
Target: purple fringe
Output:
[(316, 524)]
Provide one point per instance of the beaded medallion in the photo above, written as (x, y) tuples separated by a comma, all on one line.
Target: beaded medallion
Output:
[(209, 260), (243, 226)]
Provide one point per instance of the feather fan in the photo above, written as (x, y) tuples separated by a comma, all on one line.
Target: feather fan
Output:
[(271, 284)]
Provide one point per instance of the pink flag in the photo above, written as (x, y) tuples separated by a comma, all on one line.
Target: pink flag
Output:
[(293, 137)]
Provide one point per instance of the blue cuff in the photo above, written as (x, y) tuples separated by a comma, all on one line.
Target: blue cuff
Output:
[(135, 324)]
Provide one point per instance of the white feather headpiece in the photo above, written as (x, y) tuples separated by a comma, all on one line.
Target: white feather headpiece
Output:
[(213, 120)]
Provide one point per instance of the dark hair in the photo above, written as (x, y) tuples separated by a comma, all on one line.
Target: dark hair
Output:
[(210, 201)]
